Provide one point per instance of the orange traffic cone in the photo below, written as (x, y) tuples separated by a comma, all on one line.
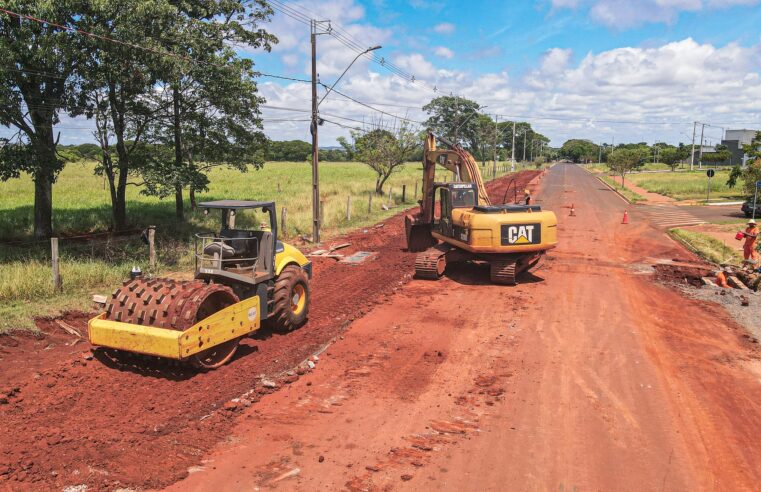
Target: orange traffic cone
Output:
[(626, 218), (573, 211)]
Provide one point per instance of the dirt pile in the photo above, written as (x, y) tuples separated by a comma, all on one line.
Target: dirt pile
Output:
[(73, 420)]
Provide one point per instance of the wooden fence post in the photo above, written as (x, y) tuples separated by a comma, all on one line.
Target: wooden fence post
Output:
[(57, 283), (283, 229), (152, 247), (370, 203), (416, 188), (404, 193), (390, 190), (348, 208)]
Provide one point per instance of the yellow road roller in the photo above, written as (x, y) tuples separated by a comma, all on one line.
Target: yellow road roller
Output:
[(244, 277)]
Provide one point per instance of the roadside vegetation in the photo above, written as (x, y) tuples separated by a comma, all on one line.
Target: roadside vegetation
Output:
[(707, 247), (90, 266), (630, 195), (688, 185)]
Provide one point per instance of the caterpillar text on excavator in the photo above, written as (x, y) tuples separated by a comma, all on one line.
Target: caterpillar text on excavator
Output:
[(457, 222)]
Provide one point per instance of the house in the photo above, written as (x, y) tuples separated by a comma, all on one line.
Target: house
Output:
[(734, 141)]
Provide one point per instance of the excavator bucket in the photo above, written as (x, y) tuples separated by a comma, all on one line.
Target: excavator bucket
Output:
[(419, 236)]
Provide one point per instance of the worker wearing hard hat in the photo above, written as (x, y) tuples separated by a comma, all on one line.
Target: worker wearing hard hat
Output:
[(751, 234)]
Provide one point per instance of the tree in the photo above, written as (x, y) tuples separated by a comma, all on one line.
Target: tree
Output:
[(35, 86), (486, 138), (187, 90), (117, 80), (383, 151), (671, 157), (720, 155), (454, 118), (580, 150), (289, 150), (623, 160)]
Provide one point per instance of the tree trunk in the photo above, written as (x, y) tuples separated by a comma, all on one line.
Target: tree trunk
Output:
[(44, 174), (178, 205), (119, 195), (43, 204), (193, 203)]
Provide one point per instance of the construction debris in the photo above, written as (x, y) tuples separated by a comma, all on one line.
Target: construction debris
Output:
[(329, 253)]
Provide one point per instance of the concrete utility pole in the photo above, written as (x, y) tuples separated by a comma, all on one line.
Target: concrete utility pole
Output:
[(512, 150), (525, 137), (692, 153), (315, 146), (700, 158)]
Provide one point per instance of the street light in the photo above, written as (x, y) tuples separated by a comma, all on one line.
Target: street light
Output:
[(316, 219), (368, 50)]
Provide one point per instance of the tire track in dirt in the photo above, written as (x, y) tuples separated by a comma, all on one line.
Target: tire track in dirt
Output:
[(75, 420)]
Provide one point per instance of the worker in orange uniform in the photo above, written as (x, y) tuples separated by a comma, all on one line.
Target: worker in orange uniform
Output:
[(751, 234)]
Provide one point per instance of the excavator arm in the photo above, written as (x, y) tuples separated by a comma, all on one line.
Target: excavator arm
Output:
[(454, 159)]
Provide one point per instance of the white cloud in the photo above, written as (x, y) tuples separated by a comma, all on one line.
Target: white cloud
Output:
[(674, 83), (444, 28), (623, 14), (444, 52), (556, 59)]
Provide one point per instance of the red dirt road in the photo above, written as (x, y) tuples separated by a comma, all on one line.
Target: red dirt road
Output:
[(66, 419), (589, 376)]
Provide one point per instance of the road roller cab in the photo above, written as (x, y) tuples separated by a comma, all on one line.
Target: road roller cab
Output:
[(244, 277)]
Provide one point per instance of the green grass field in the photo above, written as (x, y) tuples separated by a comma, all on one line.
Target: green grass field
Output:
[(82, 205), (707, 247), (688, 185)]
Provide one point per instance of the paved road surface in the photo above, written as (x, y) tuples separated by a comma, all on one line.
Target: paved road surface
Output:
[(588, 376)]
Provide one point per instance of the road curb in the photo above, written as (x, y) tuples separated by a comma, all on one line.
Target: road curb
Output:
[(614, 190)]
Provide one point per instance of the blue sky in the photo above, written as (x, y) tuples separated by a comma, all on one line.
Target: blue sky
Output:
[(598, 69)]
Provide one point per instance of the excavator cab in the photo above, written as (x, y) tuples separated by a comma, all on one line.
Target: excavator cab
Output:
[(452, 196)]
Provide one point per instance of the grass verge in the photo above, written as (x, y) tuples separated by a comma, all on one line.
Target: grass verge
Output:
[(629, 194), (705, 246)]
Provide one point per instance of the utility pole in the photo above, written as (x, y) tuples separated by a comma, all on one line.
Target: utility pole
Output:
[(512, 150), (496, 118), (599, 157), (525, 137), (532, 150), (692, 153), (315, 147), (700, 158)]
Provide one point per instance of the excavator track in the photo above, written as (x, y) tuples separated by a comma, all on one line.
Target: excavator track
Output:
[(431, 263), (175, 305), (503, 272)]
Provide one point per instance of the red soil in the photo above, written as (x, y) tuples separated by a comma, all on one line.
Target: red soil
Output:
[(70, 419)]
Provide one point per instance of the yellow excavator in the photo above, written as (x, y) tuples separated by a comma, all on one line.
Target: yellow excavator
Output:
[(457, 222)]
